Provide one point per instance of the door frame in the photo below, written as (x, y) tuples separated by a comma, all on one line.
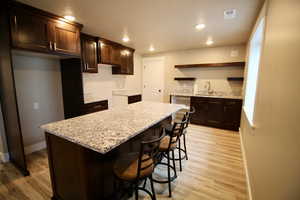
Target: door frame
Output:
[(154, 58)]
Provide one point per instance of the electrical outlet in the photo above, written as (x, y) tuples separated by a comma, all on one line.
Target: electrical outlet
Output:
[(36, 105), (234, 53)]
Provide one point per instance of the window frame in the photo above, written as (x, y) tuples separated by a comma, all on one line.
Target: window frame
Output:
[(252, 121)]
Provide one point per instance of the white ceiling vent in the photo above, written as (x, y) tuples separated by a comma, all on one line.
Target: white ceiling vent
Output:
[(230, 14)]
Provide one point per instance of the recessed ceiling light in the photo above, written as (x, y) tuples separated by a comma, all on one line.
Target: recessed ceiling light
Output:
[(209, 42), (151, 48), (200, 26), (69, 17), (230, 14), (125, 39)]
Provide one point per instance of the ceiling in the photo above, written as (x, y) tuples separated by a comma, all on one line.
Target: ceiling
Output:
[(166, 24)]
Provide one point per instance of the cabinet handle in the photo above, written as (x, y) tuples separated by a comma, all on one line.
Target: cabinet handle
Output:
[(54, 46), (98, 106), (15, 19), (50, 45)]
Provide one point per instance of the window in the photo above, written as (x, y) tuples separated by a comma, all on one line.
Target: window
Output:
[(253, 69)]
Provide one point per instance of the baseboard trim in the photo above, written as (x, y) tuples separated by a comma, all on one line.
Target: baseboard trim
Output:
[(4, 157), (245, 166), (35, 147)]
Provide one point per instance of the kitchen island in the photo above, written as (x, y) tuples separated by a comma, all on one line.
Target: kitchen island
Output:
[(82, 150)]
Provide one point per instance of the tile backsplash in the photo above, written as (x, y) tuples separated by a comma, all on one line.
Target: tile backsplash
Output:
[(217, 85)]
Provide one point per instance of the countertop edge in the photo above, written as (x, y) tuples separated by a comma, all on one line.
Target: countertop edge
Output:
[(220, 97)]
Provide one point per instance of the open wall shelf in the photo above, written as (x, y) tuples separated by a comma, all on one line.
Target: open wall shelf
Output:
[(184, 78), (228, 64)]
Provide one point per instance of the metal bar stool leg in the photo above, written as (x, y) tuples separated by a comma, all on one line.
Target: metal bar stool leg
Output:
[(184, 143), (136, 192), (152, 188), (174, 165), (180, 166), (169, 176)]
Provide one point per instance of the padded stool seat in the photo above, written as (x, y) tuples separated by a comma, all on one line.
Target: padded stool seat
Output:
[(164, 144), (126, 167)]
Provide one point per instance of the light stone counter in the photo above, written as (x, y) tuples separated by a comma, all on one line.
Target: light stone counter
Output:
[(210, 96), (103, 131), (125, 93)]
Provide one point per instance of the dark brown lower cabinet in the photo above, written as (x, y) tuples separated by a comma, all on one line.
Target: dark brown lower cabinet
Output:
[(217, 112), (94, 107), (134, 98)]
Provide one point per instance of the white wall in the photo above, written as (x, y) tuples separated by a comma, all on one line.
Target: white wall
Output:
[(37, 79), (99, 86), (217, 76), (272, 149)]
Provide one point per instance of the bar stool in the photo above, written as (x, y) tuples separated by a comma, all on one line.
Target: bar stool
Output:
[(134, 168), (187, 116), (168, 145)]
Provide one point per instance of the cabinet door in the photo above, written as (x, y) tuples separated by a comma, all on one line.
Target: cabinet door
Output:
[(89, 53), (232, 114), (66, 38), (215, 112), (105, 52), (115, 55), (130, 63), (126, 65), (29, 31), (201, 106)]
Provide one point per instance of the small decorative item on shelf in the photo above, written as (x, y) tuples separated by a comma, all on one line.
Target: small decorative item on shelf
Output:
[(235, 78)]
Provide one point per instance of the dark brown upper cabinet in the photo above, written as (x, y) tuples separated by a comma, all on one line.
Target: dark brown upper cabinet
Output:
[(105, 51), (115, 54), (65, 37), (89, 53), (126, 59), (29, 31), (109, 52), (36, 30)]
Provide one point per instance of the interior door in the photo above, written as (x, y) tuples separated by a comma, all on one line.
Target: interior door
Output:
[(153, 79)]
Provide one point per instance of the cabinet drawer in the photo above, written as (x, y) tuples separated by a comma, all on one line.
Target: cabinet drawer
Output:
[(134, 99), (94, 107)]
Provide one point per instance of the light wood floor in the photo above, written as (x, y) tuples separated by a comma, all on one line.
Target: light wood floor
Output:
[(214, 171)]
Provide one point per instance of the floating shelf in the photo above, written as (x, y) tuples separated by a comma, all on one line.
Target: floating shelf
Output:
[(184, 78), (228, 64), (235, 78)]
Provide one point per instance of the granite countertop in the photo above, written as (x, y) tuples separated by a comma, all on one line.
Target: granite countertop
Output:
[(210, 96), (125, 93), (103, 131)]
